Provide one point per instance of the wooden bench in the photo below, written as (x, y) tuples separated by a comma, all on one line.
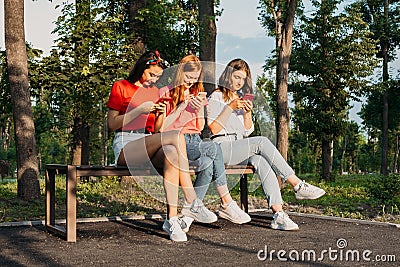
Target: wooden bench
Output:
[(73, 173)]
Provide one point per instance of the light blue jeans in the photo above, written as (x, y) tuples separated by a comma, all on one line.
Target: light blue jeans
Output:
[(264, 156), (207, 157)]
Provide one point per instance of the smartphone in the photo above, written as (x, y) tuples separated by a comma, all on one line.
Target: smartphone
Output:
[(203, 94), (248, 97), (164, 99)]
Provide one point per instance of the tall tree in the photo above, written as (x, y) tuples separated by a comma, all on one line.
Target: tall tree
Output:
[(278, 18), (17, 66), (384, 21), (81, 128), (371, 114), (333, 55)]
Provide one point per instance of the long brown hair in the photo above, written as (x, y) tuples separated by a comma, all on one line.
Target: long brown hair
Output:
[(224, 82), (189, 63)]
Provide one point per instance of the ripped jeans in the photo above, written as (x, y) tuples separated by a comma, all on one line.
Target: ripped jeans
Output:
[(209, 162)]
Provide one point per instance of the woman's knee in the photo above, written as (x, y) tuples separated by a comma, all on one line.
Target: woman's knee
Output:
[(172, 137), (170, 152), (258, 161), (210, 149)]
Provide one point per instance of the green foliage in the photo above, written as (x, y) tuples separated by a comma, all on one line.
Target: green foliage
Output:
[(371, 111), (333, 55), (93, 50), (385, 31), (171, 27), (385, 189), (347, 149), (304, 152)]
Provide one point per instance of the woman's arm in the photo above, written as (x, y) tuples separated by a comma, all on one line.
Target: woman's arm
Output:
[(161, 110), (116, 121), (173, 116), (220, 122), (248, 120), (200, 118)]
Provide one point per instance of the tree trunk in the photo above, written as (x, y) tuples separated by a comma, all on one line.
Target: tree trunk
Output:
[(17, 65), (81, 148), (283, 39), (284, 48), (327, 160), (136, 26), (343, 154), (207, 43), (396, 154), (385, 113), (208, 37)]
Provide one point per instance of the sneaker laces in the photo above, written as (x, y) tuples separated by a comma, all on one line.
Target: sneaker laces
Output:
[(307, 187), (280, 214)]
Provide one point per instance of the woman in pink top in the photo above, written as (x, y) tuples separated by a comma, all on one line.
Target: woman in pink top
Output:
[(186, 113)]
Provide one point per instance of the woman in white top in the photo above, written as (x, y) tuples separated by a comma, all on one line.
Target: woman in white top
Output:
[(230, 122)]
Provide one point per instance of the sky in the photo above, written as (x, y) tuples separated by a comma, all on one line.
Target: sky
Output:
[(247, 36), (239, 33)]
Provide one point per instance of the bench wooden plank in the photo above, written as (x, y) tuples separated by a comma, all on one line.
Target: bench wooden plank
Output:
[(74, 172)]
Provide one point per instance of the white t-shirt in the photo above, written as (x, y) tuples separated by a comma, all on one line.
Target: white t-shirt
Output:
[(235, 124)]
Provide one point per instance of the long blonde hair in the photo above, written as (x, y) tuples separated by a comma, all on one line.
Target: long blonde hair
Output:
[(189, 63)]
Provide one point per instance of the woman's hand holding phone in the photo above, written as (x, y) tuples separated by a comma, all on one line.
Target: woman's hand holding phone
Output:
[(161, 105), (248, 97), (199, 101)]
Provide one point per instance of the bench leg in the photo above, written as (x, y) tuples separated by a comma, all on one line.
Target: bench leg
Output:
[(50, 197), (244, 202), (71, 204)]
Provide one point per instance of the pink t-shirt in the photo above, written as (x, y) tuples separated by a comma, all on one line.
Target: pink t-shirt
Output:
[(186, 122)]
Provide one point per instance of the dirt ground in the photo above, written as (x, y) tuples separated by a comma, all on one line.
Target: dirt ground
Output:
[(143, 243)]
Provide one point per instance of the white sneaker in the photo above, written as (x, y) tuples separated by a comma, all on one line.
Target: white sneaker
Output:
[(281, 221), (199, 212), (186, 222), (233, 213), (308, 191), (173, 228)]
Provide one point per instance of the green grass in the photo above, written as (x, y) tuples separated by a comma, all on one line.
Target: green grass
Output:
[(349, 197)]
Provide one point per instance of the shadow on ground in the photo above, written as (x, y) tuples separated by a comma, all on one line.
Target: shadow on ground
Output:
[(319, 242)]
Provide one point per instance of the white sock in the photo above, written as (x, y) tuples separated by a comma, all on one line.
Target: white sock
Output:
[(297, 187), (226, 205)]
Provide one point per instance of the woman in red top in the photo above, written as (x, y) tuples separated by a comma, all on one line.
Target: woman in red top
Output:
[(132, 114)]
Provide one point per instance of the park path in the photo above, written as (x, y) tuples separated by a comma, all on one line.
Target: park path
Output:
[(335, 242)]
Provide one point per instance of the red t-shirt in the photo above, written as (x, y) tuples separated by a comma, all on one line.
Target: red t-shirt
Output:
[(126, 96)]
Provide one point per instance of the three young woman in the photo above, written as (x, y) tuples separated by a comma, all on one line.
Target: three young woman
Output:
[(167, 134), (132, 114), (230, 120)]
